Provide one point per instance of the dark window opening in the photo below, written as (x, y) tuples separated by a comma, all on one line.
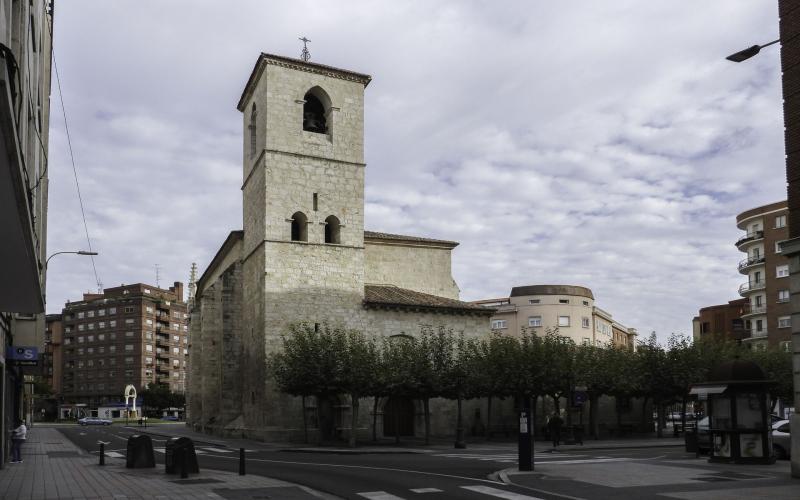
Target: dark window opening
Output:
[(332, 230), (314, 115), (252, 128), (316, 327), (299, 227), (315, 201)]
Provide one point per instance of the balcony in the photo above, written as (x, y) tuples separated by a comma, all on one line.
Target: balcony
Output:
[(747, 238), (751, 261), (751, 286), (754, 335), (749, 310)]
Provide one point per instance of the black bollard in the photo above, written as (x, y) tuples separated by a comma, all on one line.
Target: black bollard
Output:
[(241, 461), (102, 453)]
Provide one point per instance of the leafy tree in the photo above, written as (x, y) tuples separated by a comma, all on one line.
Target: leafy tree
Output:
[(359, 370), (592, 366), (159, 397), (398, 354), (499, 364), (460, 369)]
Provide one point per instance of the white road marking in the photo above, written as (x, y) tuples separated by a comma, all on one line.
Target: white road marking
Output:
[(426, 490), (587, 461), (488, 490), (160, 450), (114, 454), (217, 450), (378, 495)]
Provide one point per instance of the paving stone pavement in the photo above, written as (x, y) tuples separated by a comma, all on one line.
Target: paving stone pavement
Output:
[(54, 468)]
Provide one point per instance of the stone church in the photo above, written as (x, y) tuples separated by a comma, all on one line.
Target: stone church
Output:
[(303, 256)]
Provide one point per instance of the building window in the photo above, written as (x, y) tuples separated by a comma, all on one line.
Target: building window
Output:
[(101, 312), (80, 315), (759, 301), (112, 323), (101, 324), (783, 296), (778, 247), (498, 324), (784, 322), (148, 322), (90, 326), (786, 346), (563, 301), (332, 230), (112, 348), (129, 321), (252, 127), (148, 348), (90, 338), (314, 119), (563, 321), (757, 277), (112, 310), (90, 314), (759, 325), (128, 347), (585, 322), (128, 309), (782, 271), (147, 291), (534, 301), (586, 302), (299, 227), (780, 221), (81, 327), (129, 360), (149, 309), (81, 339), (101, 336), (535, 321), (176, 350)]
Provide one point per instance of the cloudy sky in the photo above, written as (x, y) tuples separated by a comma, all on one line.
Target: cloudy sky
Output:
[(605, 144)]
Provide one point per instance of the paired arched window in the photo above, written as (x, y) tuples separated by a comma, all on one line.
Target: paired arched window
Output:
[(299, 227), (332, 230), (252, 128), (315, 111)]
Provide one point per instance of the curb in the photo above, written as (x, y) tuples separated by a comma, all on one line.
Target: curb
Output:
[(355, 451)]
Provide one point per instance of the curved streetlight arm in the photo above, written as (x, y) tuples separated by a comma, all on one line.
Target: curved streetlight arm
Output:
[(79, 252)]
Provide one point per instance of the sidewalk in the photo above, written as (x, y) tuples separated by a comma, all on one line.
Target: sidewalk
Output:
[(54, 468)]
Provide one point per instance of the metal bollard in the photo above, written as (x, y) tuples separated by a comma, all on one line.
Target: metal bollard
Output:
[(102, 453), (241, 461)]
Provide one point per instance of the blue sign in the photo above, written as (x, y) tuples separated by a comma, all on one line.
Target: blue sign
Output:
[(22, 355)]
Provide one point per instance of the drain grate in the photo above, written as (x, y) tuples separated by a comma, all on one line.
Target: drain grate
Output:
[(197, 481)]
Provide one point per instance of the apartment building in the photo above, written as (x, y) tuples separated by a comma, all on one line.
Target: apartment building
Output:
[(51, 357), (131, 334), (767, 312), (722, 320), (568, 308), (25, 57)]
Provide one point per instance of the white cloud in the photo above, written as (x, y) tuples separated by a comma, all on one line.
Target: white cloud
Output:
[(590, 143)]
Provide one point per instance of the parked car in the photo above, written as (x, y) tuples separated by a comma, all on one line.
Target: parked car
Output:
[(171, 418), (781, 445), (94, 421)]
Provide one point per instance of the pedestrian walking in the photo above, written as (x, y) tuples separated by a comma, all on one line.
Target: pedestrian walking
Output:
[(554, 425), (18, 436)]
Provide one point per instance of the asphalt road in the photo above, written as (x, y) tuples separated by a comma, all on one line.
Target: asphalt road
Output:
[(462, 474)]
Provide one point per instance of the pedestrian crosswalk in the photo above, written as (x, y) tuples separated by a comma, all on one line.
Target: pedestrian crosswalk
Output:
[(475, 488), (202, 450)]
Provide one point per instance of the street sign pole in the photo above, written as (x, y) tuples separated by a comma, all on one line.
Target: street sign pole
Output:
[(525, 450)]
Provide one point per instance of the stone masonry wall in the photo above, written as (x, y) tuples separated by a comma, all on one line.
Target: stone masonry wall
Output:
[(420, 268)]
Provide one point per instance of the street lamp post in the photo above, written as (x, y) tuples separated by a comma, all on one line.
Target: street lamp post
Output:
[(78, 252), (749, 52)]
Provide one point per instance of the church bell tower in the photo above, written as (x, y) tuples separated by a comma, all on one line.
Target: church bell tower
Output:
[(303, 204)]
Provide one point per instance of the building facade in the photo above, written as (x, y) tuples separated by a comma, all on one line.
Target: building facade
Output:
[(304, 256), (567, 308), (723, 320), (130, 334), (51, 358), (25, 58), (767, 311)]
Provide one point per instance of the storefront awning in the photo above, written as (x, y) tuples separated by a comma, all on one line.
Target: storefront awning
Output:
[(708, 389)]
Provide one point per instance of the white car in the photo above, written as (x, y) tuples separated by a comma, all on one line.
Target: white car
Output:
[(781, 440), (94, 421)]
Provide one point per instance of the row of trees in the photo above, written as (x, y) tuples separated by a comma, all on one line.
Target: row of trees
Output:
[(329, 362)]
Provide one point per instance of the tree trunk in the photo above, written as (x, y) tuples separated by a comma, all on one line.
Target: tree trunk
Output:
[(659, 429), (375, 400), (460, 428), (594, 401), (556, 405), (427, 409), (618, 407), (305, 421), (353, 420), (644, 413), (683, 413), (396, 423), (488, 433), (319, 422)]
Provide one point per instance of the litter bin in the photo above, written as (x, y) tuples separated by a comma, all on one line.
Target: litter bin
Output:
[(139, 454), (179, 453), (690, 439)]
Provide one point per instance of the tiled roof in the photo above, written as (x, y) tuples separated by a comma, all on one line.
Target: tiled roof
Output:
[(400, 237), (393, 296)]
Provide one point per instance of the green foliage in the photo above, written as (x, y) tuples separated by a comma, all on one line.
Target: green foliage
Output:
[(160, 397)]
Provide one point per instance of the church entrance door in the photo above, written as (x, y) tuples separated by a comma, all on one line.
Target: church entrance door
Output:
[(398, 417), (330, 417)]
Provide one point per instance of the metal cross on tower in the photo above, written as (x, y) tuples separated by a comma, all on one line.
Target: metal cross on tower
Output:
[(305, 55)]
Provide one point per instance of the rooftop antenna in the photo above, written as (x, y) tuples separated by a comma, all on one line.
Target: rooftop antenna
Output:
[(158, 277), (305, 55)]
